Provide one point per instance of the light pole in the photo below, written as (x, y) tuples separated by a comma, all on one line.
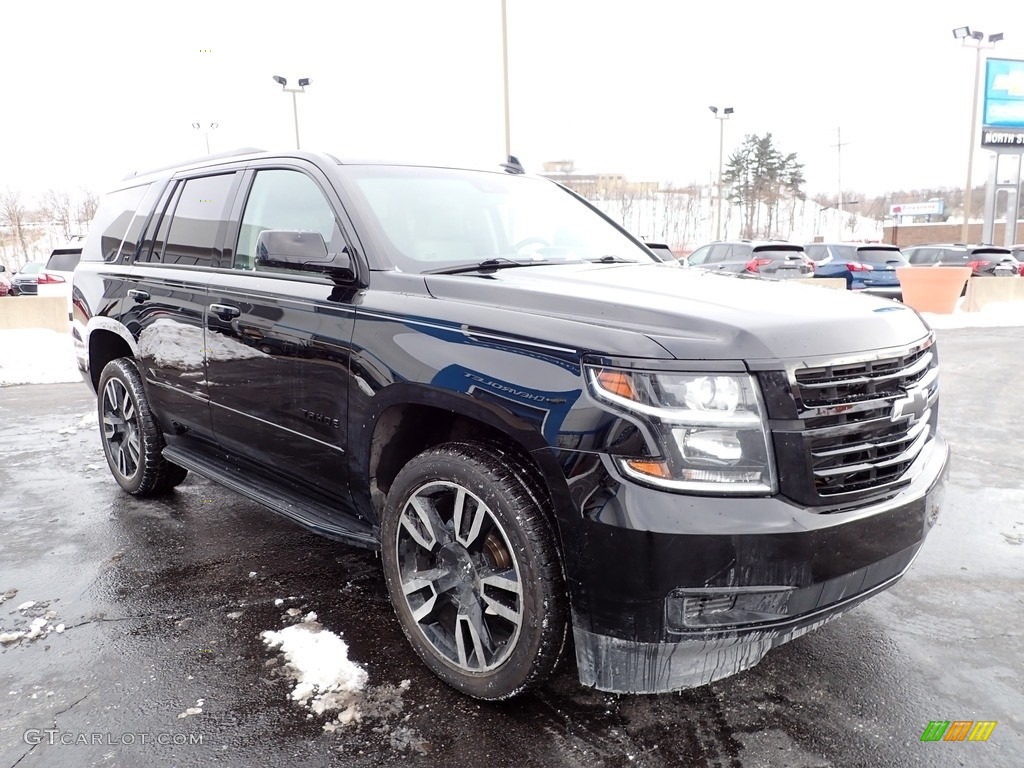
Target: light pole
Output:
[(205, 128), (303, 82), (974, 39), (721, 118), (504, 60)]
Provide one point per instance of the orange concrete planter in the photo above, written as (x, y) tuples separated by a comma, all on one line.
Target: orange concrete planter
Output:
[(932, 289)]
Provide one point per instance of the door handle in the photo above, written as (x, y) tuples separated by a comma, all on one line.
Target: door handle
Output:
[(225, 311), (139, 296)]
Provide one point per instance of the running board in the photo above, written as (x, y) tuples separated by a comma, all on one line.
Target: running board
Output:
[(315, 514)]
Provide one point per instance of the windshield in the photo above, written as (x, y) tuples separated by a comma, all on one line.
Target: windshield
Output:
[(432, 218)]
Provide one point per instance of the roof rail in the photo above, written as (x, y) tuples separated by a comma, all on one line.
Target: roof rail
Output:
[(193, 161)]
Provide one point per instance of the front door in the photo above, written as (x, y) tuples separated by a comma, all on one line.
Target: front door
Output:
[(278, 340)]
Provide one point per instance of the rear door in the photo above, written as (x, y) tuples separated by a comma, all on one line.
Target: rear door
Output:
[(167, 297), (278, 340)]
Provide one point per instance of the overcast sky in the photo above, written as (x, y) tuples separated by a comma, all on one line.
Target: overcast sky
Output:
[(97, 90)]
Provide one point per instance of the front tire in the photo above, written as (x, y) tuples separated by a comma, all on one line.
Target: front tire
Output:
[(132, 439), (473, 570)]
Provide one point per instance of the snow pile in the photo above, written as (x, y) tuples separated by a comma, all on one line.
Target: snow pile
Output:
[(37, 356), (996, 314), (40, 624), (317, 660)]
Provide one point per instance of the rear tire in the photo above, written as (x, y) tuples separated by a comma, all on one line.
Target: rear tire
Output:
[(473, 571), (132, 440)]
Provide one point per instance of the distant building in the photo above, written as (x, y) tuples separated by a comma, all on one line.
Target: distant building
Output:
[(597, 186)]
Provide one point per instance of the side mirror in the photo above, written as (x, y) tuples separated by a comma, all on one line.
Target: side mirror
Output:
[(304, 251)]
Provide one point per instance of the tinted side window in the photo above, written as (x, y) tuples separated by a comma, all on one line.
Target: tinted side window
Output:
[(110, 223), (718, 253), (142, 213), (198, 220), (923, 255), (699, 256), (285, 200)]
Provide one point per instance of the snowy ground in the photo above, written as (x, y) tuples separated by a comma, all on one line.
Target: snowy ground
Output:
[(995, 315), (36, 356)]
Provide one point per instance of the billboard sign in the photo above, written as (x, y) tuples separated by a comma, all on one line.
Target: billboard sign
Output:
[(930, 208), (1004, 93)]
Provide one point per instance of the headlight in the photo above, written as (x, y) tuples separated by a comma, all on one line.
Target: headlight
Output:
[(711, 429)]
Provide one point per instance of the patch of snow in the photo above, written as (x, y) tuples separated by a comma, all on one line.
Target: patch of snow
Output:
[(37, 356), (10, 637), (279, 601), (235, 615), (59, 629), (252, 574), (317, 660), (26, 605), (36, 628), (90, 419), (994, 315)]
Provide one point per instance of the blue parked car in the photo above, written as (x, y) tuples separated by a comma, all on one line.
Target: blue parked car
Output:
[(868, 267)]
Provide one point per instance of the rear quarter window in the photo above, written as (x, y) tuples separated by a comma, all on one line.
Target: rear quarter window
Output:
[(111, 222)]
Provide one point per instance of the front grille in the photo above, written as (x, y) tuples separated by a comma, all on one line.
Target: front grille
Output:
[(863, 422)]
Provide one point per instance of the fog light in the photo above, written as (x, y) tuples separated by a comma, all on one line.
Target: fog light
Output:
[(689, 609)]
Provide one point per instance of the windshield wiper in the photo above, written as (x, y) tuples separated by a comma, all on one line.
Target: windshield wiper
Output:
[(486, 265)]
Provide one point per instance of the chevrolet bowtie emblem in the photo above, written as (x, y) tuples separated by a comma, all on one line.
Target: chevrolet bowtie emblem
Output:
[(910, 407)]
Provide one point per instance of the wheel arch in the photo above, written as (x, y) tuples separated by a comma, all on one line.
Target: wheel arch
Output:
[(106, 340), (408, 419)]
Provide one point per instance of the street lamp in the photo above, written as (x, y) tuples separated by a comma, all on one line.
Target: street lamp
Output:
[(205, 128), (721, 148), (303, 82), (973, 38)]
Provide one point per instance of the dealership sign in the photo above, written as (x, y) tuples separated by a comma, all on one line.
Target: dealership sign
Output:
[(1004, 94), (931, 208)]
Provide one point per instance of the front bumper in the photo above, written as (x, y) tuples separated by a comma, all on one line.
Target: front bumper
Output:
[(637, 553)]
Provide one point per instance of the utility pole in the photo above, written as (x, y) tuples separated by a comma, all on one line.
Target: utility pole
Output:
[(839, 175)]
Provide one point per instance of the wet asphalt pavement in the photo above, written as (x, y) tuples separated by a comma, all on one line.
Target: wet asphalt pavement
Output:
[(160, 611)]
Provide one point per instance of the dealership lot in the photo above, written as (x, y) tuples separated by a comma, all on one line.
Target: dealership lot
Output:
[(160, 605)]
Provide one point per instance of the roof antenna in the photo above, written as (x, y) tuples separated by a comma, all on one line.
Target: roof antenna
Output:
[(513, 165)]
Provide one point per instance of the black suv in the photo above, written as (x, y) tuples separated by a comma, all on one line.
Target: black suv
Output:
[(770, 259), (984, 260), (541, 427)]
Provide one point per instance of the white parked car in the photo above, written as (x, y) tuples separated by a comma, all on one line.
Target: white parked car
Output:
[(55, 277)]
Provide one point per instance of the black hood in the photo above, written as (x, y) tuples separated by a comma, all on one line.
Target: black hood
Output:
[(695, 314)]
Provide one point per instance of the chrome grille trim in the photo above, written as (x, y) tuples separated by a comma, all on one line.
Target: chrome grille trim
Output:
[(863, 421)]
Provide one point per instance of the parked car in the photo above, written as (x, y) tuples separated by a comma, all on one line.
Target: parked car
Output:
[(868, 267), (23, 282), (540, 427), (5, 283), (769, 259), (984, 260), (55, 278), (1018, 253)]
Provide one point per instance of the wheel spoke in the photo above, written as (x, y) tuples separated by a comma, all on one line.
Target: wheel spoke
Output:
[(419, 520), (470, 623), (479, 514), (508, 585), (122, 460), (418, 584), (134, 449)]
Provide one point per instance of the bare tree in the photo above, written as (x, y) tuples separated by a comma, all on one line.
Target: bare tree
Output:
[(87, 205), (57, 208), (14, 216)]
